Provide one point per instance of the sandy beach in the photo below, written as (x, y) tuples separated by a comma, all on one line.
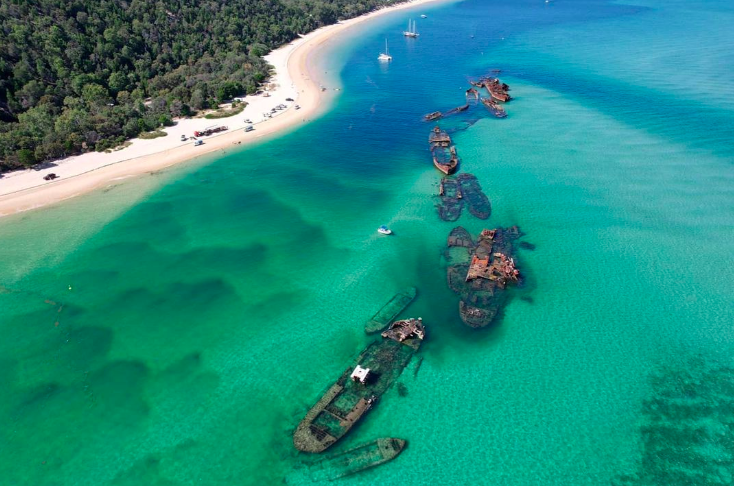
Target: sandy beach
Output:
[(293, 78)]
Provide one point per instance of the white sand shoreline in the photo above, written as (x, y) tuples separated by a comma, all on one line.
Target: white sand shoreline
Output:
[(25, 190)]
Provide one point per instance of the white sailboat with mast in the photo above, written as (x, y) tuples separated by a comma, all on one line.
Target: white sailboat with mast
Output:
[(411, 32), (385, 56)]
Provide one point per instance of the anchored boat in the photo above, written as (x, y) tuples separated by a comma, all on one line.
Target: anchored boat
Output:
[(385, 56), (390, 311), (359, 387), (411, 32)]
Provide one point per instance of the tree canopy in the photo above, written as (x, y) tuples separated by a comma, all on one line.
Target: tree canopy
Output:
[(79, 75)]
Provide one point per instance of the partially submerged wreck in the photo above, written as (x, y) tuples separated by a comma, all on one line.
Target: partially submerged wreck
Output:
[(437, 114), (452, 202), (462, 190), (498, 90), (390, 311), (472, 193), (359, 387), (354, 460), (494, 108), (458, 109), (444, 154), (480, 272)]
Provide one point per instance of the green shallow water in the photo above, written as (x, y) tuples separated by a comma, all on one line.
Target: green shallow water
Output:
[(174, 329)]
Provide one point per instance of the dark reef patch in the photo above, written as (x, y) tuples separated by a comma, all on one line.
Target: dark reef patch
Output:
[(687, 433)]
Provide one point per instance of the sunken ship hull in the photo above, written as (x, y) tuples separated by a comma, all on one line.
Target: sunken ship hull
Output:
[(498, 90), (471, 190), (496, 110), (390, 311), (480, 272), (443, 152), (355, 460), (500, 96), (457, 192), (452, 203), (359, 387), (445, 160)]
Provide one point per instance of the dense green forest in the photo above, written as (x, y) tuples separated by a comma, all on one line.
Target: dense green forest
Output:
[(80, 75)]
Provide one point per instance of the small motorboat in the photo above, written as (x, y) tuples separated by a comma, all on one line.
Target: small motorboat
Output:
[(384, 230)]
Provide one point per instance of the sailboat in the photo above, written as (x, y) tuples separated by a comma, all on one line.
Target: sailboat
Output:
[(411, 32), (385, 56)]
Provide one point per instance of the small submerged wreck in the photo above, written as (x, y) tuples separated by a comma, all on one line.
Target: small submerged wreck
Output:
[(359, 387), (353, 461), (472, 93), (458, 109), (462, 190), (437, 114), (494, 108), (444, 154), (480, 272), (390, 311), (452, 202)]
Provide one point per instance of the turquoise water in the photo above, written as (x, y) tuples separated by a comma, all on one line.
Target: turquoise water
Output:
[(174, 329)]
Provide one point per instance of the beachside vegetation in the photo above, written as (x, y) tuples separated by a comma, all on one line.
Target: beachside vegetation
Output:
[(152, 135), (226, 112), (85, 75)]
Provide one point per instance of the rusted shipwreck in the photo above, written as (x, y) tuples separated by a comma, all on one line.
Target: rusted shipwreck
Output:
[(359, 387), (437, 114), (494, 108), (443, 152), (456, 192), (480, 272), (498, 90)]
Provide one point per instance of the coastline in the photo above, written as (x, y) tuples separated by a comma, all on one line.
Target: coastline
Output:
[(26, 190)]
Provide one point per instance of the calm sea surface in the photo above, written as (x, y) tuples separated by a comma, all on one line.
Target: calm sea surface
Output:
[(174, 329)]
